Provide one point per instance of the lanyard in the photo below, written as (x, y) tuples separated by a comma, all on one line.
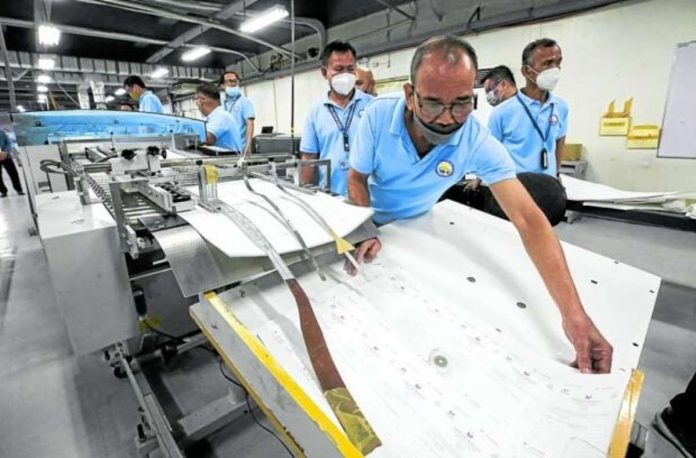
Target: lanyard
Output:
[(234, 102), (341, 127), (544, 153)]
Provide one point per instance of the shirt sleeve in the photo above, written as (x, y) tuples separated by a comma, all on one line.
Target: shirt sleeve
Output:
[(217, 125), (495, 125), (563, 117), (494, 164), (362, 152), (151, 104), (248, 110), (310, 142)]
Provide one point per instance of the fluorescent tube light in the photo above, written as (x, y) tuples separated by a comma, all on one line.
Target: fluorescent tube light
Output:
[(195, 53), (43, 79), (49, 35), (46, 63), (120, 91), (159, 73), (261, 20), (42, 88)]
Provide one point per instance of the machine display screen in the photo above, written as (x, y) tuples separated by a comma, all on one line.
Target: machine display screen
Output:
[(46, 127)]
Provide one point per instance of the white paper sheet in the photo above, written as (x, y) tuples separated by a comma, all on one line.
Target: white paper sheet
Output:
[(437, 351), (217, 229), (581, 190)]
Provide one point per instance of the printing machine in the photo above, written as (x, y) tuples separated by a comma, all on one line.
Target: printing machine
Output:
[(106, 191)]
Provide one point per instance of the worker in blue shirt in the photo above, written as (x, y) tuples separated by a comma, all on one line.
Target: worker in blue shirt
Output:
[(240, 107), (222, 128), (533, 124), (331, 125), (410, 149), (147, 100), (7, 163)]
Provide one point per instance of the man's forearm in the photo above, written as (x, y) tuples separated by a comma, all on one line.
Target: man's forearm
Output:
[(249, 138), (307, 173), (546, 253), (560, 146), (358, 192)]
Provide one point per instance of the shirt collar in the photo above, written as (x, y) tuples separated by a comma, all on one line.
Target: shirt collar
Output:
[(531, 101), (219, 107), (357, 95), (398, 125)]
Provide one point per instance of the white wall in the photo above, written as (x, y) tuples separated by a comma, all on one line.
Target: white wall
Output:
[(610, 53)]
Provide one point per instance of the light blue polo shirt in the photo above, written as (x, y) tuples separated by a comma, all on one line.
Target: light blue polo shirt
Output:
[(224, 126), (150, 103), (242, 109), (510, 124), (323, 137), (402, 184)]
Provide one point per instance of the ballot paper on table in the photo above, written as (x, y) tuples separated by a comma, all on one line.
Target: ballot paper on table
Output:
[(452, 346), (222, 232)]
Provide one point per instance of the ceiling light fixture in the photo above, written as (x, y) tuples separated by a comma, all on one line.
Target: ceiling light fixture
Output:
[(159, 73), (42, 88), (46, 63), (109, 98), (264, 19), (21, 108), (42, 98), (43, 79), (195, 53), (49, 35), (120, 91)]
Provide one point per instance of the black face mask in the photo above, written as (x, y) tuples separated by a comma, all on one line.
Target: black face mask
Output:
[(435, 133)]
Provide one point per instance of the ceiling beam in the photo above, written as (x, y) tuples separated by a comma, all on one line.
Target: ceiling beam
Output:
[(194, 32), (203, 22), (87, 32)]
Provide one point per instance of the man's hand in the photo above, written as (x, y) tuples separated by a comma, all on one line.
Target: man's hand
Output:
[(3, 156), (593, 352), (367, 251)]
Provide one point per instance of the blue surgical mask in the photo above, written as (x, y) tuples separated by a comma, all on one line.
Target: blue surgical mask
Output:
[(232, 91)]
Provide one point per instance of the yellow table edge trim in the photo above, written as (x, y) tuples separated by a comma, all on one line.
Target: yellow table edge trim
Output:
[(622, 431), (289, 440), (343, 444)]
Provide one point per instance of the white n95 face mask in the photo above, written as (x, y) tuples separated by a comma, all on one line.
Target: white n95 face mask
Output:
[(548, 79), (343, 83)]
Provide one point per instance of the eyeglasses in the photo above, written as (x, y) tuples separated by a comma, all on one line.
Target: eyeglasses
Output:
[(492, 87), (231, 82), (435, 109)]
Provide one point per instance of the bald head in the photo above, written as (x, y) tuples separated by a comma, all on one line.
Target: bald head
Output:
[(365, 81), (444, 51)]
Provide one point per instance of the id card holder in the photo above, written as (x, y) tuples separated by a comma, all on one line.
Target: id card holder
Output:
[(544, 159)]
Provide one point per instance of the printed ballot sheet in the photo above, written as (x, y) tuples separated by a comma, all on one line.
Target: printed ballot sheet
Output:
[(219, 230), (451, 345)]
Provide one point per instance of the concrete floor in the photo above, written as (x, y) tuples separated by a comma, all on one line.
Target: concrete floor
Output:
[(55, 404)]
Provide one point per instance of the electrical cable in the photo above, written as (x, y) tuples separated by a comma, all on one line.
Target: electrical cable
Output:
[(251, 411), (178, 340)]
